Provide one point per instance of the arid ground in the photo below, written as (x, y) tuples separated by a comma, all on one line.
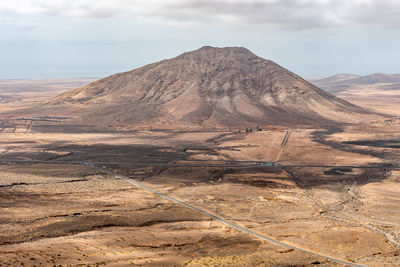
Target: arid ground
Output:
[(336, 194), (371, 96), (378, 91)]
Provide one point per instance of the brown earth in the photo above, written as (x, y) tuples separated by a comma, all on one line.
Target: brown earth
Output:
[(20, 94), (71, 214), (378, 92), (206, 88), (67, 214), (34, 91)]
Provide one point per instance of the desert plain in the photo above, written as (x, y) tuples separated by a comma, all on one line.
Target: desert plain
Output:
[(331, 194)]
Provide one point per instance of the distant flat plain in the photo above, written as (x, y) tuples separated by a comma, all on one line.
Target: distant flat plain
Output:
[(20, 92), (379, 92), (72, 215)]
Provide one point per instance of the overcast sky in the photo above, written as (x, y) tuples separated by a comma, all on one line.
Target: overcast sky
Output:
[(96, 38)]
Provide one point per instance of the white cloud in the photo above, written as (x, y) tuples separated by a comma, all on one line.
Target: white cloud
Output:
[(275, 14)]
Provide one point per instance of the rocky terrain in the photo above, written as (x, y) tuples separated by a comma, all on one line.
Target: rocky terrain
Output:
[(55, 210), (209, 87), (214, 158)]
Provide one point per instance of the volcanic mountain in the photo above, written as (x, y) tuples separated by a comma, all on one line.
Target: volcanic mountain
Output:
[(208, 87)]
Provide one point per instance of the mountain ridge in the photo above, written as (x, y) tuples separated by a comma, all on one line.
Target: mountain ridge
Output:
[(209, 87), (334, 84)]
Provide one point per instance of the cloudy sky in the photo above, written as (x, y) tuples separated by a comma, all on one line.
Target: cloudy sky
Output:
[(95, 38)]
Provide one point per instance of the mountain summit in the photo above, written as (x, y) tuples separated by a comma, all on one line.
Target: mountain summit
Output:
[(209, 87)]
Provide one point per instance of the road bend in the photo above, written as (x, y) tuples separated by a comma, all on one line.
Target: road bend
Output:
[(220, 219)]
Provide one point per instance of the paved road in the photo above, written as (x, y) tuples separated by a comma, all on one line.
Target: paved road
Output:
[(233, 164), (173, 199), (220, 219)]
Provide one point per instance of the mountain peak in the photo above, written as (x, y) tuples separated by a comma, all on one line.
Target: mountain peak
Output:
[(210, 51), (210, 86), (231, 49)]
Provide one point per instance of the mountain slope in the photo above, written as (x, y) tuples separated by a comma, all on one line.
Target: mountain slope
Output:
[(344, 82), (377, 78), (378, 91), (209, 87), (336, 78)]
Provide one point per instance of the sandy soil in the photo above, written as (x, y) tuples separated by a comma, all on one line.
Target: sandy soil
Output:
[(18, 94), (373, 97), (71, 214)]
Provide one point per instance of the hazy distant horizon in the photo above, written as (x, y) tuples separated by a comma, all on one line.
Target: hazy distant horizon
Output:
[(60, 38), (45, 71), (90, 74)]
